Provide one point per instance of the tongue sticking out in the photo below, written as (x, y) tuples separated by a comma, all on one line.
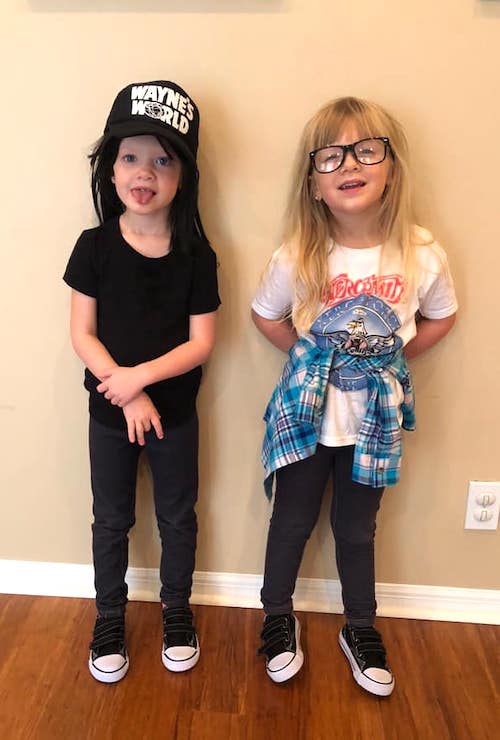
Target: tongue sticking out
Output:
[(142, 195)]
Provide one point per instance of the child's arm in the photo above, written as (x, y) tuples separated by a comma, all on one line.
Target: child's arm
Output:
[(83, 329), (278, 332), (121, 384), (140, 413), (429, 333)]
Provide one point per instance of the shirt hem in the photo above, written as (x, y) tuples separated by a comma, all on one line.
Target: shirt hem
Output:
[(337, 441)]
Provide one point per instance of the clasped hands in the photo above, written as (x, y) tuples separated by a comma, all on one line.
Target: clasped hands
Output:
[(121, 384)]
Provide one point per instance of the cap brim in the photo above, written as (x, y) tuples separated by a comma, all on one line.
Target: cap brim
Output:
[(129, 128)]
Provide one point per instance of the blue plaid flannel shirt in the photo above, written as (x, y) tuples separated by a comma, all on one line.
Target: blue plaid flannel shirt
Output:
[(295, 411)]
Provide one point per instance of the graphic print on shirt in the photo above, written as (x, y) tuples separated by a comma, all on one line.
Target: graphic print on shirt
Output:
[(360, 327)]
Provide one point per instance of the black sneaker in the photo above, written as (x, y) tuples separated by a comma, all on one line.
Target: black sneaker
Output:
[(281, 645), (108, 661), (365, 652), (181, 650)]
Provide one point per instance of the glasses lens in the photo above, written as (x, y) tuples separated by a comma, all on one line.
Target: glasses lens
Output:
[(328, 159), (370, 151)]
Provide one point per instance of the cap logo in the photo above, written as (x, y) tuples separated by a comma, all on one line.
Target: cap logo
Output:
[(154, 110), (162, 104)]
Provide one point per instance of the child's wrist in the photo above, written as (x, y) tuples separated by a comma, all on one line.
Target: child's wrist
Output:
[(145, 374)]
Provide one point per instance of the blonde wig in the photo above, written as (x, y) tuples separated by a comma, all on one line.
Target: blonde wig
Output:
[(310, 227)]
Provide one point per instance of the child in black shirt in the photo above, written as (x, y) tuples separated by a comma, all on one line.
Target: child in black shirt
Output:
[(144, 297)]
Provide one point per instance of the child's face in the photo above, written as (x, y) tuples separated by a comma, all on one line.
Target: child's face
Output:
[(354, 190), (146, 177)]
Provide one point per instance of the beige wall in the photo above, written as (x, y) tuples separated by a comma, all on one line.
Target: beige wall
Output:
[(257, 69)]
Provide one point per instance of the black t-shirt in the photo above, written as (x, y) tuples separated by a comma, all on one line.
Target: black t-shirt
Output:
[(143, 310)]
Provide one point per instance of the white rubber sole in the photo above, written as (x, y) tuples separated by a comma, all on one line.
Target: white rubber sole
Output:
[(288, 671), (109, 676), (182, 664), (366, 683)]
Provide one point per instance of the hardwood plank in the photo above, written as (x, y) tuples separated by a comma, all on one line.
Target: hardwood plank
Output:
[(223, 635), (209, 725), (447, 679)]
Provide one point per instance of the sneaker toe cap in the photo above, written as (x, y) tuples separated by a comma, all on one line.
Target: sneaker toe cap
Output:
[(280, 661), (379, 675), (110, 663), (180, 652)]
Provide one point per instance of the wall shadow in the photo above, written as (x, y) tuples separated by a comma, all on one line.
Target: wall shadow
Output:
[(487, 8)]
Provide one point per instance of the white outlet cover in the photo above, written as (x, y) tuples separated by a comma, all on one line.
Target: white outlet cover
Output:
[(477, 488)]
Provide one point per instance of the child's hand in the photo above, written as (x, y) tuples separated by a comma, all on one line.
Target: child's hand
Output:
[(140, 415), (121, 384)]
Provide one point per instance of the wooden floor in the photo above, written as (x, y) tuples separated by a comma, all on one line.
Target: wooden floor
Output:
[(447, 679)]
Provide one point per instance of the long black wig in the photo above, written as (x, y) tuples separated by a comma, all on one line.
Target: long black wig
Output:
[(184, 218)]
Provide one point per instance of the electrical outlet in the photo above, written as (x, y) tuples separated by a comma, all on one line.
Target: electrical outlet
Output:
[(483, 505)]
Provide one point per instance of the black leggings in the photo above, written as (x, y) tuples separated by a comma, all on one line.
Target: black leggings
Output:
[(299, 491), (174, 467)]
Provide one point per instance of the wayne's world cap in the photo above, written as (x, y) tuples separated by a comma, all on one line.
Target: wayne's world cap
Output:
[(158, 108)]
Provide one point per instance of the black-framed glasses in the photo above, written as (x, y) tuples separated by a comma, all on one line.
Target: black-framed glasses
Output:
[(366, 151)]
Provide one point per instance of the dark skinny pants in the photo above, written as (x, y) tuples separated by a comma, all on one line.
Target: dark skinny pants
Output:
[(174, 466), (299, 491)]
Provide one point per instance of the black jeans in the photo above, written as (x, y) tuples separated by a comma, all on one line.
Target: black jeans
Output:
[(299, 491), (174, 467)]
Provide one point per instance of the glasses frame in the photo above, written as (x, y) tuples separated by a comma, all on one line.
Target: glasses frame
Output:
[(350, 148)]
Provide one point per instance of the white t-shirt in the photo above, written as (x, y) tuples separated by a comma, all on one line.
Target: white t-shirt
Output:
[(364, 313)]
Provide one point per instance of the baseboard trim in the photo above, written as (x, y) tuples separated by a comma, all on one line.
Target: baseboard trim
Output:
[(443, 603)]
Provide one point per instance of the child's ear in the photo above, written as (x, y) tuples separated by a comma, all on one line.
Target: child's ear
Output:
[(390, 173), (314, 188), (315, 193), (113, 179)]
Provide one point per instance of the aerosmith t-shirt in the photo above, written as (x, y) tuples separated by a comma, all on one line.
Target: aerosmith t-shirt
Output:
[(369, 310)]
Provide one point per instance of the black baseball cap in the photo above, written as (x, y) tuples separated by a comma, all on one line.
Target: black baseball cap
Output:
[(158, 108)]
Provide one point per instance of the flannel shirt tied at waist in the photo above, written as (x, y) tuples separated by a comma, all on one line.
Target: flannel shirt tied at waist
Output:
[(295, 411)]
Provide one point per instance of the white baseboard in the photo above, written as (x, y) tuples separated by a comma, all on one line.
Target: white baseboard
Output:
[(239, 589)]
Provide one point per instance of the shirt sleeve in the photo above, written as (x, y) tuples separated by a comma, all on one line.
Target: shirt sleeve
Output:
[(204, 288), (274, 296), (81, 272), (436, 293)]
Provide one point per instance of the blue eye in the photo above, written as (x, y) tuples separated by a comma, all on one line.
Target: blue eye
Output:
[(129, 158), (163, 161)]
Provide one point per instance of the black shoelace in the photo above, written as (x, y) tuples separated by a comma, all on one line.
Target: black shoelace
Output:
[(178, 626), (109, 635), (276, 632)]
